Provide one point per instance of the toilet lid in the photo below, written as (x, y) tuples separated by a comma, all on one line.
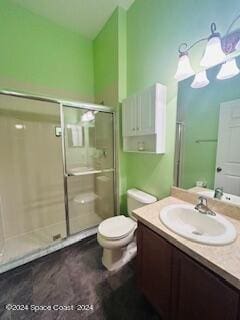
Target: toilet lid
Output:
[(116, 227)]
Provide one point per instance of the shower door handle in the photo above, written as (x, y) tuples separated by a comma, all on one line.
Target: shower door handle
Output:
[(58, 131), (83, 173)]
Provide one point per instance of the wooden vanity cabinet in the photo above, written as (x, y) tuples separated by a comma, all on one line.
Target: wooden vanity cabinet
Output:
[(154, 262), (200, 294), (179, 287)]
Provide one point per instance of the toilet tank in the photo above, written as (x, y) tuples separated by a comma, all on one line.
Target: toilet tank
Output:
[(137, 198)]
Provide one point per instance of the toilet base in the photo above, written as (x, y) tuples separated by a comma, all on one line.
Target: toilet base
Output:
[(114, 259)]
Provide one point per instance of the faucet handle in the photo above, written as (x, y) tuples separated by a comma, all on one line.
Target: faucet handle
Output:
[(218, 193), (202, 200)]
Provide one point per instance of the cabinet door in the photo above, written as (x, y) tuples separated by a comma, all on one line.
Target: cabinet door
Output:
[(199, 294), (146, 105), (154, 269), (129, 116)]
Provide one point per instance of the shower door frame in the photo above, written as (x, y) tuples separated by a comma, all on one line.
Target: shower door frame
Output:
[(91, 107), (80, 105)]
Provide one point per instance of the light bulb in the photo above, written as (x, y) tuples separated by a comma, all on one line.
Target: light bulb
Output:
[(184, 69), (200, 80), (213, 54), (228, 70), (20, 126), (87, 116)]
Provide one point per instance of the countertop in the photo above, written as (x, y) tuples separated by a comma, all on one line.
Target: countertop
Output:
[(223, 260)]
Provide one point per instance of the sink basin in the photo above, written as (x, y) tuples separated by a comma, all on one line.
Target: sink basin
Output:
[(193, 225)]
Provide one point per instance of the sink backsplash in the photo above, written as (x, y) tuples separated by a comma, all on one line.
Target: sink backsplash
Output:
[(231, 210)]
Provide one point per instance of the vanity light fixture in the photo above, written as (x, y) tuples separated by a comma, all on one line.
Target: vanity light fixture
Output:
[(228, 70), (219, 50), (184, 69), (200, 80), (213, 54)]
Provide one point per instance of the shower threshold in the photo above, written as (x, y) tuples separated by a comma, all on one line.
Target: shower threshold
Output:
[(40, 252)]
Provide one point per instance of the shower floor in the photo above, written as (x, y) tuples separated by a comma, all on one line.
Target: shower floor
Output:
[(25, 244)]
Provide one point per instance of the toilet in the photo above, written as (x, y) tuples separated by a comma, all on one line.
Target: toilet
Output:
[(116, 235)]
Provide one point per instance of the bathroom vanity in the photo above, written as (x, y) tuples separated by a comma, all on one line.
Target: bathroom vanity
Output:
[(184, 279)]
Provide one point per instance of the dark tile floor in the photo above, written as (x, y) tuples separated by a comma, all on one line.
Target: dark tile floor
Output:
[(73, 276)]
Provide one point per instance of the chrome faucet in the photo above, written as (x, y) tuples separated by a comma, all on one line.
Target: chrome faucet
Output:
[(203, 208), (218, 193)]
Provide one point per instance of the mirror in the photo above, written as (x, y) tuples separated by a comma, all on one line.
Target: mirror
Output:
[(207, 152)]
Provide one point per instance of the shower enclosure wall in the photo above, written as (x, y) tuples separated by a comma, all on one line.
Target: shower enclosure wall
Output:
[(57, 172)]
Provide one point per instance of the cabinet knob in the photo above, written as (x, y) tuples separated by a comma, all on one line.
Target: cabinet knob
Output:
[(134, 129), (137, 128), (219, 169)]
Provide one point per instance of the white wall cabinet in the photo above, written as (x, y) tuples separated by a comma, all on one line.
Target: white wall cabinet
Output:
[(144, 121), (129, 113)]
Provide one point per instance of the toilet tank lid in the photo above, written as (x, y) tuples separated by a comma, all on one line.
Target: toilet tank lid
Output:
[(141, 196)]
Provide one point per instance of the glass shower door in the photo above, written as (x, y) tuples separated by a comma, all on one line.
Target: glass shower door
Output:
[(32, 213), (89, 152)]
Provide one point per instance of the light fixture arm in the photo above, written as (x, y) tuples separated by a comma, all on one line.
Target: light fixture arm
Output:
[(184, 48), (231, 25), (213, 28)]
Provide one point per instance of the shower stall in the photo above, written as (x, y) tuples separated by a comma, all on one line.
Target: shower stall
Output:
[(57, 174)]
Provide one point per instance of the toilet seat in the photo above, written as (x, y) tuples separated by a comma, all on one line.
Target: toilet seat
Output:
[(116, 228)]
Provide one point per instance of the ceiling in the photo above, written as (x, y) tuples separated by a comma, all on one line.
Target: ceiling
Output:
[(84, 16)]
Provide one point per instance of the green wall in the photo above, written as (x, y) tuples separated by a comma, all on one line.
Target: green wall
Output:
[(105, 47), (200, 115), (39, 55), (131, 52), (109, 49), (110, 72), (154, 31)]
